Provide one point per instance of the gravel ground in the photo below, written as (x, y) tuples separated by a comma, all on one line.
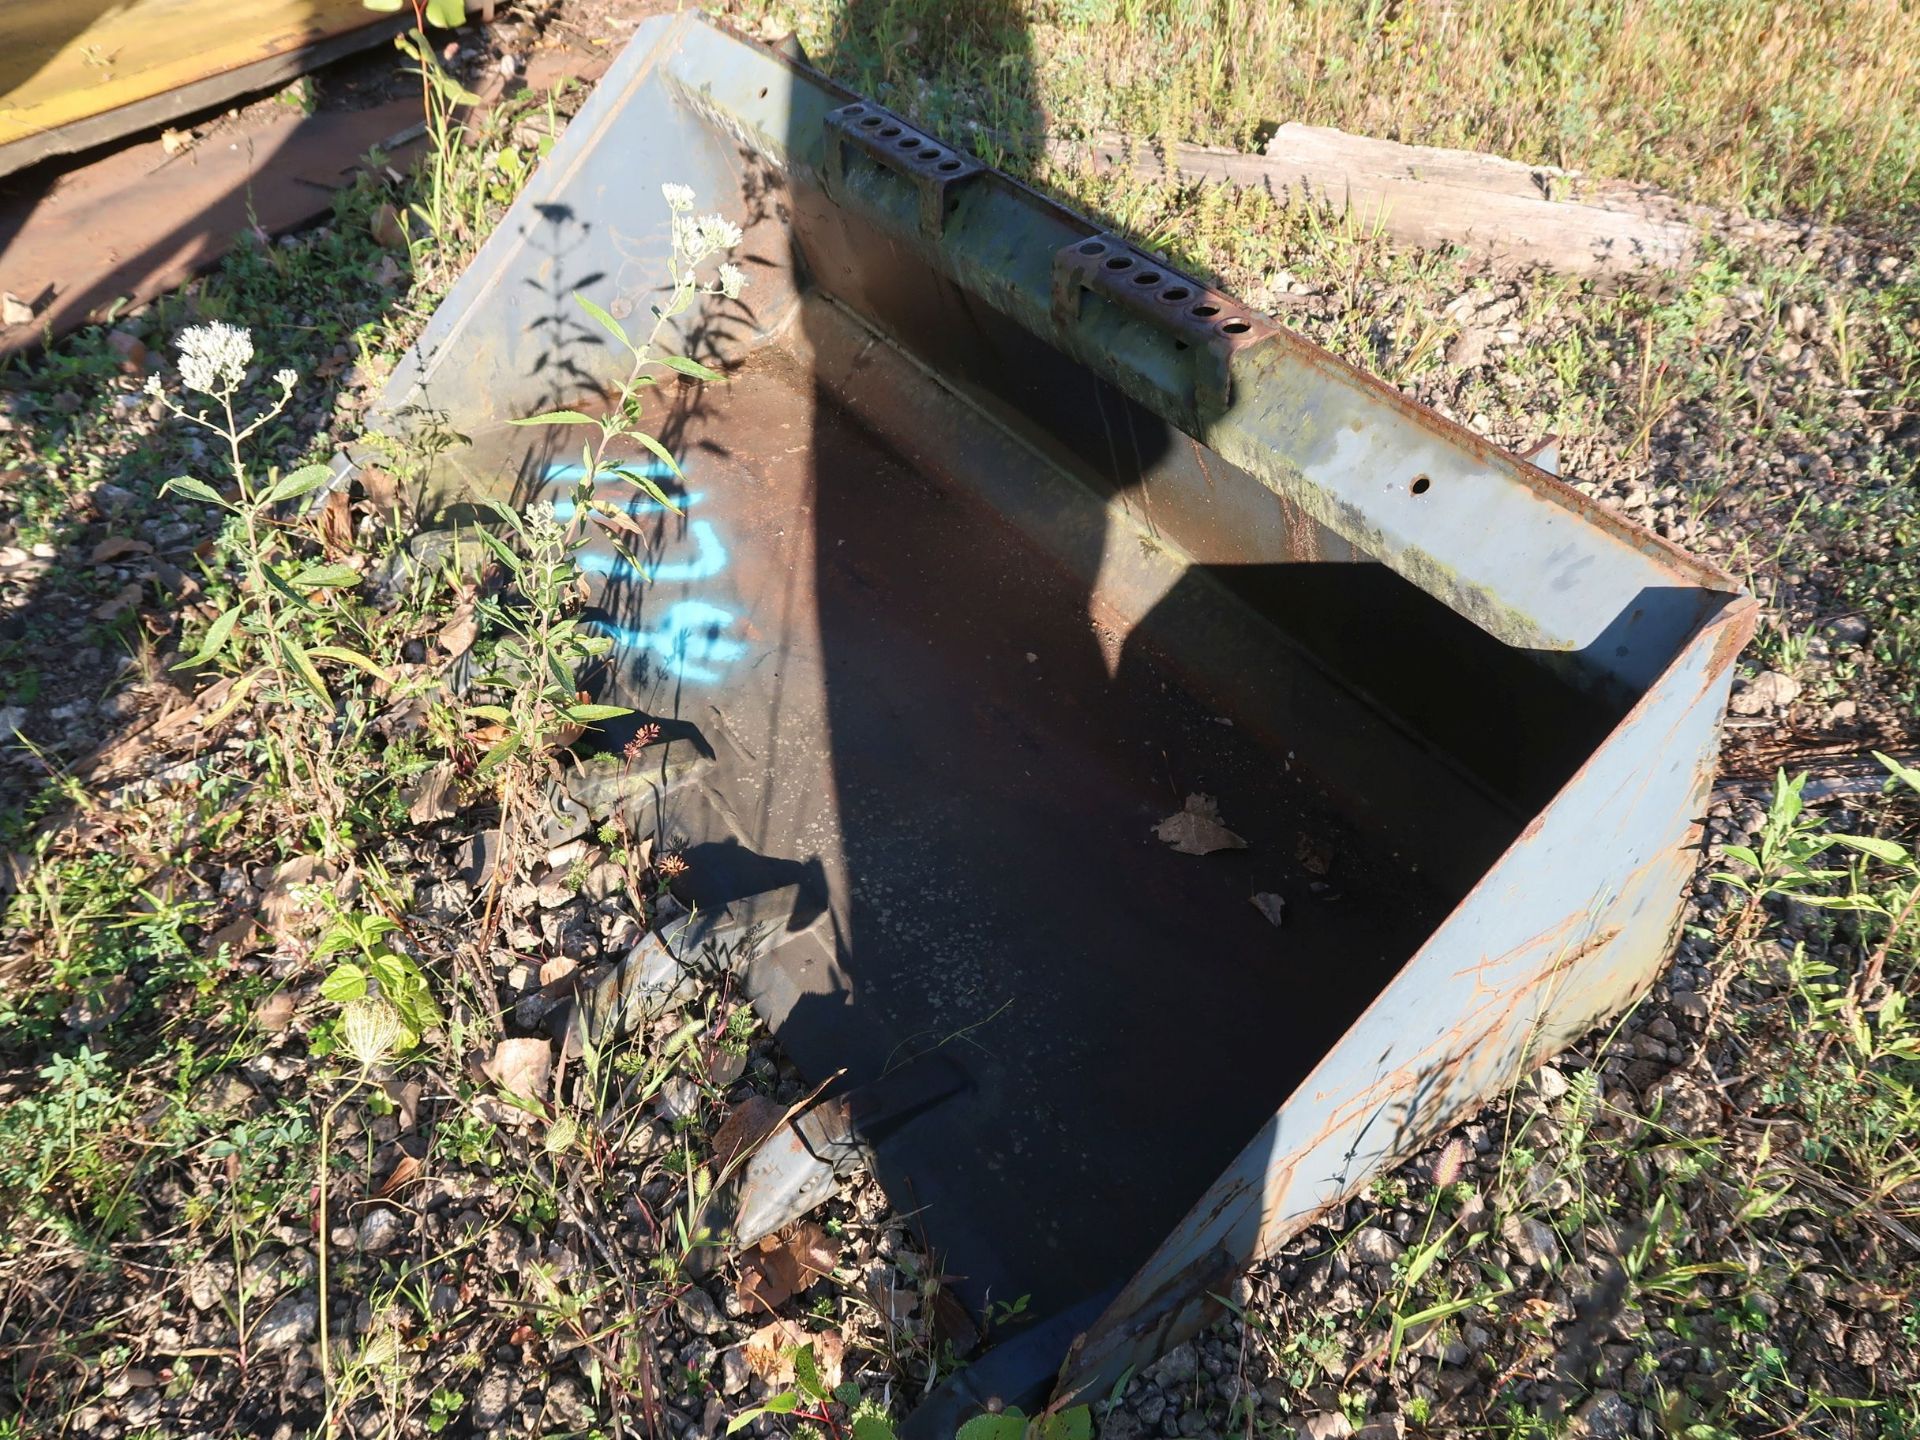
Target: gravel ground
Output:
[(1596, 1261)]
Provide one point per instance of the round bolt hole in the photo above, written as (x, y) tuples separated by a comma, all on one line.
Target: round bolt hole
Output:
[(848, 110), (869, 122), (1092, 247), (908, 142), (1235, 326), (1206, 312), (1120, 262), (1176, 293), (1421, 484), (891, 131), (949, 164), (1146, 277)]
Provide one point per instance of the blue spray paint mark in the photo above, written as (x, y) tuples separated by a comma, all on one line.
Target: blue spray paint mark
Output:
[(563, 509), (711, 560), (690, 637), (619, 469)]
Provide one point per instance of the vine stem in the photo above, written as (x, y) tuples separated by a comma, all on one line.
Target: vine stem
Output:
[(320, 1215)]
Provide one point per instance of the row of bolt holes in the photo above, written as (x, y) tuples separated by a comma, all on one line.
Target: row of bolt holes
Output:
[(1173, 294), (910, 143)]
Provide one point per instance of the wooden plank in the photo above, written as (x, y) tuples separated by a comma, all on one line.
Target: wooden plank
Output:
[(77, 73), (140, 221), (1425, 197)]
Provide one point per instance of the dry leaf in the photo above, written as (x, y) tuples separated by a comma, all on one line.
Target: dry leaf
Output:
[(1197, 830), (114, 546), (558, 968), (406, 1100), (1315, 857), (953, 1324), (126, 598), (383, 490), (783, 1265), (458, 634), (769, 1353), (1270, 905), (432, 795), (14, 310), (746, 1125), (521, 1067), (405, 1169), (174, 141), (336, 526), (241, 935), (281, 902), (274, 1013), (895, 1301)]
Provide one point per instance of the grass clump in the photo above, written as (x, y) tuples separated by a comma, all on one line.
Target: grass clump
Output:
[(1778, 109)]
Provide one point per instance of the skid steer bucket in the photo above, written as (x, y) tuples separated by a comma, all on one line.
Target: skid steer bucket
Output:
[(1011, 566)]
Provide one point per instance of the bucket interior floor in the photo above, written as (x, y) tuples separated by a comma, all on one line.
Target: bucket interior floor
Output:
[(903, 739)]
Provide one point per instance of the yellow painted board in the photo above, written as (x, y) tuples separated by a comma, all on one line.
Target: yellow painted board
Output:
[(63, 61)]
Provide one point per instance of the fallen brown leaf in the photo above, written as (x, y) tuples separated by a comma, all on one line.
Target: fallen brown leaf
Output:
[(1274, 907), (521, 1067), (1196, 829), (241, 935), (274, 1013), (769, 1353), (281, 900), (125, 598), (114, 546), (336, 525), (783, 1265), (432, 795), (458, 634), (952, 1323), (405, 1170), (746, 1125)]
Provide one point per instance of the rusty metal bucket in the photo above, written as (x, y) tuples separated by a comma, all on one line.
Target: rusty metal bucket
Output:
[(999, 542)]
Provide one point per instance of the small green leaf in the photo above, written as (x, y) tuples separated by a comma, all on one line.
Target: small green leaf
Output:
[(353, 658), (301, 661), (690, 368), (1074, 1423), (588, 714), (1009, 1424), (381, 5), (216, 640), (296, 483), (612, 326), (806, 1374), (665, 455), (447, 14), (346, 984), (498, 714), (870, 1427), (324, 577), (1872, 845), (499, 755), (556, 417), (198, 489)]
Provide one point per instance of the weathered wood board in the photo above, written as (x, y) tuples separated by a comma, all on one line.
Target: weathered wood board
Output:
[(78, 73)]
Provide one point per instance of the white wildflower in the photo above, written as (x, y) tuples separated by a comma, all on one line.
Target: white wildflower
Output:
[(686, 236), (285, 379), (719, 233), (214, 358), (732, 281), (153, 386), (679, 197)]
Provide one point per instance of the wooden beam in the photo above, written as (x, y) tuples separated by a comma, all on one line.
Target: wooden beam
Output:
[(1424, 197)]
